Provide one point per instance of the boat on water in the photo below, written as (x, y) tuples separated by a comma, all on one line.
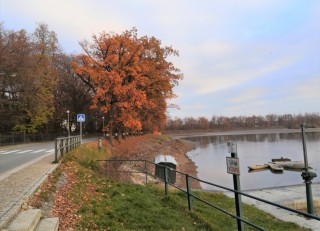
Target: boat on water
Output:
[(280, 159), (291, 164), (276, 167), (258, 166), (279, 166)]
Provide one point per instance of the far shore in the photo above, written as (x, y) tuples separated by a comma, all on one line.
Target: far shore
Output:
[(188, 133)]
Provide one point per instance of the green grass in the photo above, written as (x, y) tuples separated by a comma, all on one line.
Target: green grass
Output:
[(123, 206)]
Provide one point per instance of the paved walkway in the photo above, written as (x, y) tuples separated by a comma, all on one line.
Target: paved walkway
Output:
[(282, 195), (19, 184)]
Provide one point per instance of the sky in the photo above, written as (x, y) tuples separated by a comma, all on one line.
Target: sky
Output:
[(239, 58)]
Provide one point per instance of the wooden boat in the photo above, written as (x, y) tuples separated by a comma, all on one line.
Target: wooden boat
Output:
[(276, 167), (257, 170), (258, 166), (291, 164), (280, 159)]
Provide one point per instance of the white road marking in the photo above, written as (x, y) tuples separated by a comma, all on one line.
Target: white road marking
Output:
[(41, 150), (5, 152), (24, 151), (8, 152)]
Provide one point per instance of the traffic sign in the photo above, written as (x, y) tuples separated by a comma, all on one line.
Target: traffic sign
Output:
[(81, 118)]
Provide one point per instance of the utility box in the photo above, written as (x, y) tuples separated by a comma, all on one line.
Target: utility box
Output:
[(168, 161)]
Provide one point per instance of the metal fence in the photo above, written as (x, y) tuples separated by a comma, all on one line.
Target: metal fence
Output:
[(148, 168), (14, 139), (64, 145), (25, 138)]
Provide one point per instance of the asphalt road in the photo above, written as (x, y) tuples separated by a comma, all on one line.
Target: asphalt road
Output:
[(14, 156)]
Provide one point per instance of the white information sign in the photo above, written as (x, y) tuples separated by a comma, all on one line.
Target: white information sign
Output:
[(233, 166), (232, 147)]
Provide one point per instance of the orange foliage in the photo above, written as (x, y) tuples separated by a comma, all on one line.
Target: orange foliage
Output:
[(130, 77)]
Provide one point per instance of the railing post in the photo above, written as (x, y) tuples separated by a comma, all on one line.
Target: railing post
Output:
[(146, 170), (71, 143), (67, 144), (99, 144), (61, 147), (56, 151), (188, 192), (166, 180)]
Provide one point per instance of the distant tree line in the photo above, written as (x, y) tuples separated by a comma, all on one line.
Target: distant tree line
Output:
[(120, 82), (311, 120)]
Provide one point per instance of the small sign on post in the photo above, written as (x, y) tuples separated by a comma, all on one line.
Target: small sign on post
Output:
[(81, 118), (233, 166), (232, 147), (234, 169)]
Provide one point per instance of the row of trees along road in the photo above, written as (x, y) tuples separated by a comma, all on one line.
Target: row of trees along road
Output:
[(122, 78), (244, 122)]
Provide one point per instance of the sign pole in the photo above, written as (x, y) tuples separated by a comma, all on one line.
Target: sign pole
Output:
[(80, 132), (81, 118), (233, 167)]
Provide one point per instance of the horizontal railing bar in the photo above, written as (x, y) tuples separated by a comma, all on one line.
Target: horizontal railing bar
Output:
[(226, 212), (65, 144), (166, 167), (181, 189), (122, 160), (281, 206), (222, 210), (259, 199), (125, 171), (67, 137)]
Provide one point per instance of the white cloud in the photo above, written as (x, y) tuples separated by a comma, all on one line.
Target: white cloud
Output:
[(248, 95), (308, 89), (225, 46), (229, 74)]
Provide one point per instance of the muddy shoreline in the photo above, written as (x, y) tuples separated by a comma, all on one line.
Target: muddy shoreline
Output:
[(147, 147)]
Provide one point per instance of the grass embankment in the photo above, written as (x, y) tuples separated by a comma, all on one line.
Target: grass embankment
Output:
[(89, 201)]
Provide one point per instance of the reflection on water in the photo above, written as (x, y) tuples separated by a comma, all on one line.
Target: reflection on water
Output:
[(210, 157)]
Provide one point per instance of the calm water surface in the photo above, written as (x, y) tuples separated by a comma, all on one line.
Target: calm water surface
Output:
[(211, 152)]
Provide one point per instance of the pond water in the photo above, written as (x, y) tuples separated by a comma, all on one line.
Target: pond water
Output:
[(211, 152)]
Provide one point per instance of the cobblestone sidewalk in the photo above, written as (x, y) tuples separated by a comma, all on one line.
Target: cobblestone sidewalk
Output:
[(17, 187)]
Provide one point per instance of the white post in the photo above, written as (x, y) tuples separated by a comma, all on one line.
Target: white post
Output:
[(68, 123)]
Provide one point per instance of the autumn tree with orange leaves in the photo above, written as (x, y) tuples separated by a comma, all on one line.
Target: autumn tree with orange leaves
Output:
[(130, 77)]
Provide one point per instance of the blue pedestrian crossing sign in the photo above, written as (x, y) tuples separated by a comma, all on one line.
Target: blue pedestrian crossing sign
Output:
[(81, 117)]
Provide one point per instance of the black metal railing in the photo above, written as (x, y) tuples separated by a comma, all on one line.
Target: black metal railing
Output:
[(65, 144), (147, 167)]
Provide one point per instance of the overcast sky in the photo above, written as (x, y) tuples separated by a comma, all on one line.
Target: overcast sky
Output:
[(248, 57)]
